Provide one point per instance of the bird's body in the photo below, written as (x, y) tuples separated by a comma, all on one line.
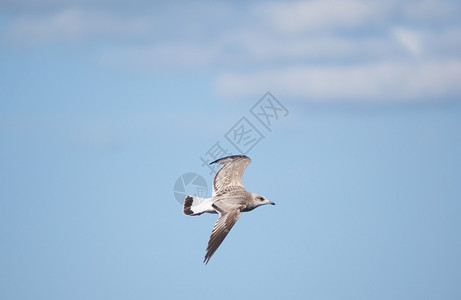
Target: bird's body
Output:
[(229, 200)]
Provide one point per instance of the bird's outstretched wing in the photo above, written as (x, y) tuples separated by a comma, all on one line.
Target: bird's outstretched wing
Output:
[(229, 213), (229, 177)]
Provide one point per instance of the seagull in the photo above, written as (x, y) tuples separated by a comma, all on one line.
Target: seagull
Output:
[(229, 199)]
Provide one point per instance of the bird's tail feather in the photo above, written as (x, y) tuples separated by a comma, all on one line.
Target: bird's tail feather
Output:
[(195, 206)]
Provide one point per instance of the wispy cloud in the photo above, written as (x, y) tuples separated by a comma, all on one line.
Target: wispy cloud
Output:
[(304, 16), (390, 82), (410, 40), (312, 50), (78, 26)]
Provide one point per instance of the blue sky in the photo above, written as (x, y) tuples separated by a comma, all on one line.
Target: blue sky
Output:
[(103, 105)]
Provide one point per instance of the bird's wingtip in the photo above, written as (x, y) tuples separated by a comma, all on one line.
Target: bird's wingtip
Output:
[(229, 157)]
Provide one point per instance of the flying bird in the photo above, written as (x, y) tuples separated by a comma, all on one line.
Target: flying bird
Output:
[(229, 199)]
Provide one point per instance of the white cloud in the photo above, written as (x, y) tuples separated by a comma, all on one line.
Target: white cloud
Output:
[(77, 26), (409, 39), (328, 50), (367, 82), (428, 11), (300, 16), (249, 50)]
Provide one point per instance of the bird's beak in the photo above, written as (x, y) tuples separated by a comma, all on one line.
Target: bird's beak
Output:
[(271, 203)]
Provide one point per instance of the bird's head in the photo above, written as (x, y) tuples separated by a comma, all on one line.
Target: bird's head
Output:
[(260, 200)]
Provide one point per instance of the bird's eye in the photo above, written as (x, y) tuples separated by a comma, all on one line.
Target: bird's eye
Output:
[(261, 198)]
